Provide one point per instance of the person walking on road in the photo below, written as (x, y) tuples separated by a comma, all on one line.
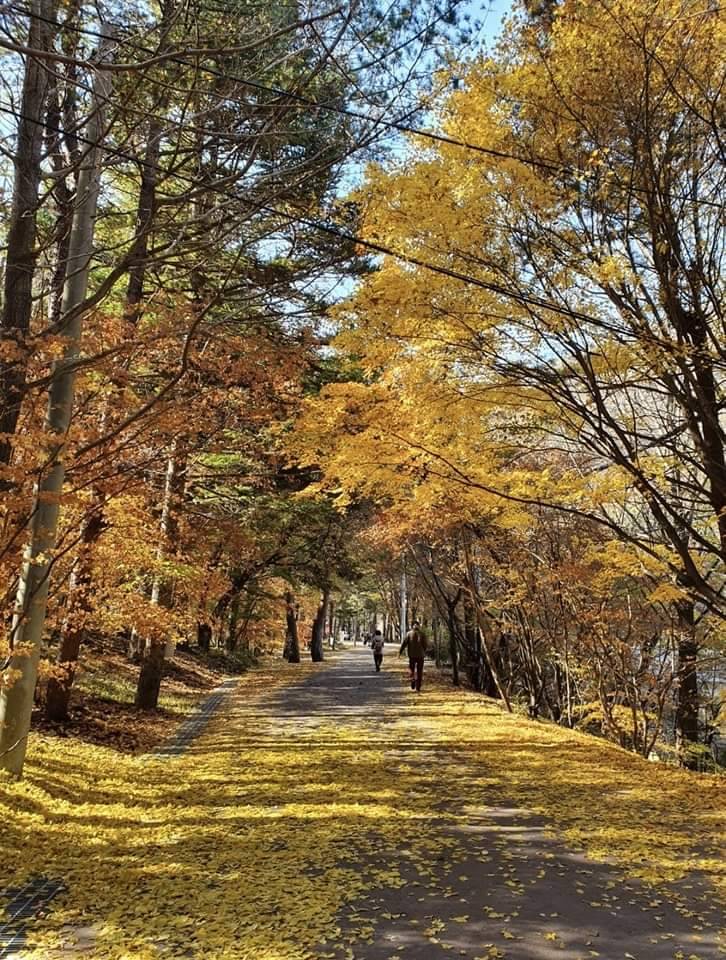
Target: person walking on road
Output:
[(415, 641), (377, 647)]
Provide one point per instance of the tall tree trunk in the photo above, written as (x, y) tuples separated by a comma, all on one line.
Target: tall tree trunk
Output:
[(204, 627), (204, 635), (471, 664), (74, 631), (21, 253), (479, 669), (435, 632), (231, 641), (453, 647), (61, 126), (316, 643), (146, 209), (330, 622), (152, 665), (145, 213), (16, 701), (152, 670), (293, 642), (686, 683), (493, 668), (404, 600)]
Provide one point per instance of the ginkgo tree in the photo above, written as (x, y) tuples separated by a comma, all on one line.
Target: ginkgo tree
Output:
[(544, 327)]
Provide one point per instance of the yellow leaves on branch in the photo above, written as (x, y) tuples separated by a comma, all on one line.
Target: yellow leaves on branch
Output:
[(399, 441), (667, 593), (483, 408)]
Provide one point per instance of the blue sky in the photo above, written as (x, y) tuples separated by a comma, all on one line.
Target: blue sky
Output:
[(490, 13)]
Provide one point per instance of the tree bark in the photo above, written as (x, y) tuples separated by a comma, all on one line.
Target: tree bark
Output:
[(16, 701), (231, 641), (150, 675), (686, 683), (204, 636), (145, 213), (316, 644), (435, 634), (21, 256), (453, 647), (330, 622), (493, 670), (61, 123), (404, 599), (293, 642), (152, 665), (74, 630)]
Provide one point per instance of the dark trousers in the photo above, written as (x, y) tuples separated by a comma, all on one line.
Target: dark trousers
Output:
[(378, 660), (415, 665)]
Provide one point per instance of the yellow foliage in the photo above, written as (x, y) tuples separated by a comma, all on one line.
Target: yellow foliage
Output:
[(667, 593), (251, 845)]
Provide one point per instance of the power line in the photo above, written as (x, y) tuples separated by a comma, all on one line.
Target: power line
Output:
[(286, 94), (339, 233), (549, 165), (309, 101)]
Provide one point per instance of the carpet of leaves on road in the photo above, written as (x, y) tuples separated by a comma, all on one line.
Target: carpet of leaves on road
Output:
[(256, 843)]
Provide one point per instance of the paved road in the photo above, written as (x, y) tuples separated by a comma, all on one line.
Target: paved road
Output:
[(341, 816), (500, 885)]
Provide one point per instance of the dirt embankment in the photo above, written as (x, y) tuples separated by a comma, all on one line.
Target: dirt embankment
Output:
[(102, 707)]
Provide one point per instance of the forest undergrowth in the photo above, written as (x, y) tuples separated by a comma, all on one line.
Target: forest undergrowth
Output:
[(102, 709)]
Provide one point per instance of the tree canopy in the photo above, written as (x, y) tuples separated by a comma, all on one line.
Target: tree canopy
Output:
[(317, 319)]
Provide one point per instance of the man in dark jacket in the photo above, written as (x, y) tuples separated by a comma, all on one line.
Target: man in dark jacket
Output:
[(415, 641)]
